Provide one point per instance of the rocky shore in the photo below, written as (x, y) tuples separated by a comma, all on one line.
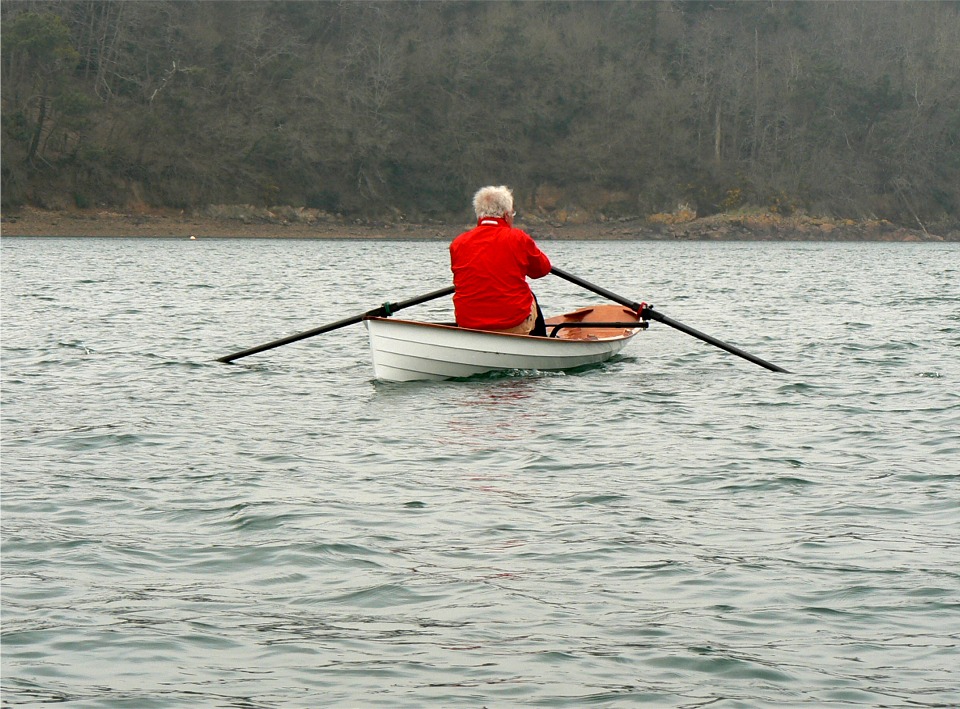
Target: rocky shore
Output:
[(303, 223)]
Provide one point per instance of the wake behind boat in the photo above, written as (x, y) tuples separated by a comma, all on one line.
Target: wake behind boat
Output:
[(407, 350)]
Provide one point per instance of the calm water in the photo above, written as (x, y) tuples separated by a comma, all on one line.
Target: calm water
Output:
[(678, 527)]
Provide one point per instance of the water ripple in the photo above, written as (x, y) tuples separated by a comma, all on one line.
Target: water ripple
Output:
[(676, 526)]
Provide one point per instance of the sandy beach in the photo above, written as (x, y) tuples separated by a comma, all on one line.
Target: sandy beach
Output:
[(31, 221)]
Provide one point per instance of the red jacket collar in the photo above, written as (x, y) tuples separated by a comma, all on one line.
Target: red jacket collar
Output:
[(491, 221)]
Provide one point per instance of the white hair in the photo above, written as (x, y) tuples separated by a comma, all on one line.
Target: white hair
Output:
[(493, 201)]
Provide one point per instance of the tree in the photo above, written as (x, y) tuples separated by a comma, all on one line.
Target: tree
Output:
[(37, 62), (373, 107)]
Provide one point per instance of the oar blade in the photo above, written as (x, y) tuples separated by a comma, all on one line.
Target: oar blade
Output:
[(384, 310), (651, 314), (647, 312), (292, 338)]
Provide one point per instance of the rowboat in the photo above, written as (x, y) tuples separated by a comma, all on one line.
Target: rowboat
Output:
[(407, 350)]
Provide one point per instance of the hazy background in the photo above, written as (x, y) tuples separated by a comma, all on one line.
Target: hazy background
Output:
[(401, 108)]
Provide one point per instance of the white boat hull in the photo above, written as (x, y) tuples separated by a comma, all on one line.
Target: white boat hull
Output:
[(405, 350)]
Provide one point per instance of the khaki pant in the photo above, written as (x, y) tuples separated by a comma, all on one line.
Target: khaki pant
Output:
[(526, 327)]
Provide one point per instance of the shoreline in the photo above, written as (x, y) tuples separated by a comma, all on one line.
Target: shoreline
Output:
[(754, 226)]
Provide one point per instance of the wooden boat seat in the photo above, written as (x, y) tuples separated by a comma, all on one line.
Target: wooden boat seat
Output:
[(597, 314)]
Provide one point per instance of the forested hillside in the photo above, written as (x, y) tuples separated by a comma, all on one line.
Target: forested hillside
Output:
[(403, 108)]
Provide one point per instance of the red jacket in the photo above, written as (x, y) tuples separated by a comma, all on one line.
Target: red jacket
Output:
[(490, 266)]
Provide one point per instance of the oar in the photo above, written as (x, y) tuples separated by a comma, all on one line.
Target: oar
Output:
[(383, 311), (647, 312)]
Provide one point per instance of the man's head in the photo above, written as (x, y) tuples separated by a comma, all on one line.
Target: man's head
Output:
[(494, 202)]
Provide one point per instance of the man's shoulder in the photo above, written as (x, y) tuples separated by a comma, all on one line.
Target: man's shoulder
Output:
[(501, 231), (463, 236), (520, 234)]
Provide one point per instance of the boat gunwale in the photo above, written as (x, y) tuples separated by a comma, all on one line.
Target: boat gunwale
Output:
[(627, 334)]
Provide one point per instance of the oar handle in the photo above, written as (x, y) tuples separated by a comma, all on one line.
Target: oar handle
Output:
[(383, 311), (388, 308)]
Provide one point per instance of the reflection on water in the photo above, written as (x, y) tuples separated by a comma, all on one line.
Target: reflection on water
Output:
[(492, 410)]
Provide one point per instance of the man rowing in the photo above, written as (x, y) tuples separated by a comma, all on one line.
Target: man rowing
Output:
[(491, 264)]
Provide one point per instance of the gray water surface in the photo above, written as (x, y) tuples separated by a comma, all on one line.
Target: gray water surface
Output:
[(676, 527)]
